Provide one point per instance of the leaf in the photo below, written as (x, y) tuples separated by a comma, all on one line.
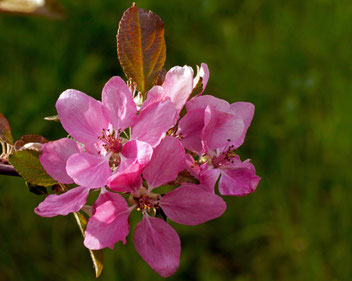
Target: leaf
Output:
[(27, 164), (47, 8), (161, 77), (96, 255), (141, 46), (28, 139), (5, 130), (36, 189)]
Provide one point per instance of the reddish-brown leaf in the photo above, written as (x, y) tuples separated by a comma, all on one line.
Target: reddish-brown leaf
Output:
[(29, 139), (5, 131), (141, 46)]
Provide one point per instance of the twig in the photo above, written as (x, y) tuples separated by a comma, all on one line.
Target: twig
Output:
[(8, 170)]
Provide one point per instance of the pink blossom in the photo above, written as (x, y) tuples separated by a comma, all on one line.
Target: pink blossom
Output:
[(119, 147), (102, 146), (155, 240), (100, 126), (214, 129)]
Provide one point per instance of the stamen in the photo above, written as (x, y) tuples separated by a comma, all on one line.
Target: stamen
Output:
[(173, 132), (225, 157), (111, 140), (147, 203)]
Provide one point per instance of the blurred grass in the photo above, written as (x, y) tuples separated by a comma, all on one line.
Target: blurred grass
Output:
[(291, 59)]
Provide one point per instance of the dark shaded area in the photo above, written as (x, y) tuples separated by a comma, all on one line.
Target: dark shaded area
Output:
[(292, 59)]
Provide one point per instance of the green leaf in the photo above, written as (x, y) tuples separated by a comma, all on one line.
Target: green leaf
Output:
[(5, 131), (141, 46), (27, 164), (96, 255)]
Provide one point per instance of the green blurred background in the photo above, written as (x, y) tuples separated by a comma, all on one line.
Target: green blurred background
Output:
[(292, 59)]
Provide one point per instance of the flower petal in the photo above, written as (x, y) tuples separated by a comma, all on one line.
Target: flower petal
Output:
[(136, 150), (201, 102), (153, 122), (190, 128), (155, 94), (192, 166), (108, 223), (88, 170), (168, 160), (239, 179), (158, 244), (190, 204), (128, 180), (246, 111), (203, 72), (82, 116), (220, 129), (63, 204), (178, 85), (208, 179), (54, 156), (117, 98)]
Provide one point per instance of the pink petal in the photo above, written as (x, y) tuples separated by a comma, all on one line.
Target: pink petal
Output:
[(239, 179), (137, 150), (203, 72), (190, 204), (192, 167), (108, 223), (207, 176), (190, 128), (63, 204), (220, 129), (246, 111), (208, 179), (88, 170), (128, 180), (158, 244), (168, 160), (153, 122), (81, 116), (54, 157), (201, 102), (155, 94), (117, 98), (178, 85)]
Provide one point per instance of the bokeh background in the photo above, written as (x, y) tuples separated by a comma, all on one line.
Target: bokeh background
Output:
[(292, 59)]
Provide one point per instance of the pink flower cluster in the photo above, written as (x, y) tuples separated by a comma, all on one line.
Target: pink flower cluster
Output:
[(126, 148)]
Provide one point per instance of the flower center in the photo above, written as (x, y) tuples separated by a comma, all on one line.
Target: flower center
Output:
[(146, 202), (225, 157), (111, 140)]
